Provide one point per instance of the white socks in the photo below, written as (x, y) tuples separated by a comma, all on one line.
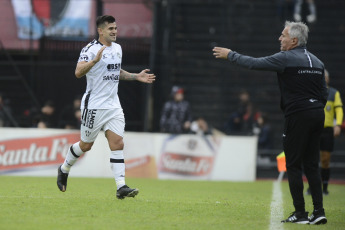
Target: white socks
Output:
[(117, 164), (72, 156)]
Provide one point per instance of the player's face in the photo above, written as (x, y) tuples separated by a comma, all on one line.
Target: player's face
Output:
[(109, 32), (286, 42)]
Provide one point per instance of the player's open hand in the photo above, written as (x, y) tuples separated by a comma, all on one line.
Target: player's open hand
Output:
[(220, 52), (146, 77), (99, 55)]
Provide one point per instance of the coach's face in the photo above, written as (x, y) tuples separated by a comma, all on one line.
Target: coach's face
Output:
[(108, 32), (286, 42)]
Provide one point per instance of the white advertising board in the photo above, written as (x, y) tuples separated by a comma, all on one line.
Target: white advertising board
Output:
[(39, 152)]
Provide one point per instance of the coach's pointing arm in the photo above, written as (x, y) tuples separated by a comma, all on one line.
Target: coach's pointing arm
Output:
[(275, 62), (84, 67)]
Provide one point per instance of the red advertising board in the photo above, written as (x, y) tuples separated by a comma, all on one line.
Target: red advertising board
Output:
[(17, 154)]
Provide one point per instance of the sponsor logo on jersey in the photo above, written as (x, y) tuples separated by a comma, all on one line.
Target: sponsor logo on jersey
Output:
[(114, 67), (108, 55), (112, 77)]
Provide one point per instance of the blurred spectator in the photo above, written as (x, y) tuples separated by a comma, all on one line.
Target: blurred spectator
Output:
[(6, 118), (249, 119), (311, 17), (47, 117), (242, 121), (285, 9), (264, 131), (70, 115), (235, 123), (176, 114), (42, 124)]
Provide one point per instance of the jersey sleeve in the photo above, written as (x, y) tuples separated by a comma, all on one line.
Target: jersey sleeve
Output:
[(86, 54), (338, 107), (275, 62), (120, 51)]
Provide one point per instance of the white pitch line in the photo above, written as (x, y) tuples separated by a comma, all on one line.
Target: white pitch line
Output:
[(277, 211)]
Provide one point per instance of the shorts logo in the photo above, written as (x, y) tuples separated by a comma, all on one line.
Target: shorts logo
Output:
[(88, 118), (87, 133)]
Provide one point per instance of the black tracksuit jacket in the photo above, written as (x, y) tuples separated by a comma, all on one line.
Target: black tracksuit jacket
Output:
[(300, 75)]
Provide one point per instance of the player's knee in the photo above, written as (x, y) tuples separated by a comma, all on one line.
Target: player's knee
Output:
[(116, 144), (85, 146)]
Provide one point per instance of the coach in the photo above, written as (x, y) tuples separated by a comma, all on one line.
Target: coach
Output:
[(303, 97)]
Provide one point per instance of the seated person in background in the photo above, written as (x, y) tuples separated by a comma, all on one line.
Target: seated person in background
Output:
[(6, 118), (264, 131), (48, 114), (235, 122), (176, 115), (70, 115), (46, 118), (242, 121)]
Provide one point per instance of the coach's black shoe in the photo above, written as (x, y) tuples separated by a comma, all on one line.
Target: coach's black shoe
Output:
[(325, 192), (308, 192), (318, 217), (62, 180), (297, 218), (126, 191)]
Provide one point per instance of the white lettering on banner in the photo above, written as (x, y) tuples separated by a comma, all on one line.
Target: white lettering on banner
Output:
[(17, 154), (188, 155), (60, 146), (32, 154), (184, 164)]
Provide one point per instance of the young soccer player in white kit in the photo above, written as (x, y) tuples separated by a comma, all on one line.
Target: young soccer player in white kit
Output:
[(100, 61)]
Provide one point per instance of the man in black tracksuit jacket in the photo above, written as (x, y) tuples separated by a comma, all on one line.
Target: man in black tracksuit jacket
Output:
[(303, 97)]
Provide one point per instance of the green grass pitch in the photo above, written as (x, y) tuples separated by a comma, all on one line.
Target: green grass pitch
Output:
[(90, 203)]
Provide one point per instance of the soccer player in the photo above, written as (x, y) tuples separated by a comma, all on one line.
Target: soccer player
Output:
[(303, 97), (100, 61)]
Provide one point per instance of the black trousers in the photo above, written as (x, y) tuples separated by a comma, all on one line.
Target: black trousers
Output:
[(301, 141)]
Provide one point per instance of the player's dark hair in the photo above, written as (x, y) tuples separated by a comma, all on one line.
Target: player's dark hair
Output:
[(101, 20)]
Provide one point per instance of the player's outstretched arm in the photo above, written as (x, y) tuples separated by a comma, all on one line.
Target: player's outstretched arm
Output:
[(84, 67), (220, 52), (143, 76)]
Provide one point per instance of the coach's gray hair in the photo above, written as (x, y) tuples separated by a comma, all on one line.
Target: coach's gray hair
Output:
[(298, 30)]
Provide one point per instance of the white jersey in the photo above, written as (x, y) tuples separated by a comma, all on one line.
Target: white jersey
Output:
[(103, 78)]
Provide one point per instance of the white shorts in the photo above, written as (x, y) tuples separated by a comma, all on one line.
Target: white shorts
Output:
[(94, 120)]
